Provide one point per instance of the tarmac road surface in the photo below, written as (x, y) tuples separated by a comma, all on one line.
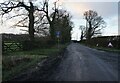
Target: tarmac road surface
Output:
[(81, 63)]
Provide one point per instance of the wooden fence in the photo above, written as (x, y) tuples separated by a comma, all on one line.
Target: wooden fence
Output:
[(11, 46)]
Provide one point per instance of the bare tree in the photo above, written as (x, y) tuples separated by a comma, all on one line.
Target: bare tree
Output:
[(30, 15), (36, 16), (50, 18), (83, 30), (94, 24), (63, 24)]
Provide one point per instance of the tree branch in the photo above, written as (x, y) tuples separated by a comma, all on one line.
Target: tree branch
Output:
[(16, 16), (24, 30), (20, 21), (6, 8), (21, 26)]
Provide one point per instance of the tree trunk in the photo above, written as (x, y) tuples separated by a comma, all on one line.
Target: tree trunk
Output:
[(81, 36), (31, 25), (89, 33), (52, 32)]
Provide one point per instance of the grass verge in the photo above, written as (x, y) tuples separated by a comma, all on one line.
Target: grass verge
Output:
[(15, 63), (115, 50), (108, 49)]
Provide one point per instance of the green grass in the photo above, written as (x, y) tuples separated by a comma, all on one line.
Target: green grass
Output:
[(115, 50), (18, 68), (107, 49), (16, 62)]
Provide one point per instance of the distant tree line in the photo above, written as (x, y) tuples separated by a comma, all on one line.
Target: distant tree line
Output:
[(103, 41)]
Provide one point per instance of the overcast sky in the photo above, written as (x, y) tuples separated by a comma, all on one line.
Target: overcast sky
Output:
[(108, 10)]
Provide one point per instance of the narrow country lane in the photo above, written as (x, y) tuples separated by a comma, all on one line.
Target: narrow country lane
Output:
[(81, 63)]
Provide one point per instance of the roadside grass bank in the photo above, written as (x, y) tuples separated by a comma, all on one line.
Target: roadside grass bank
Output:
[(108, 49), (111, 55), (14, 63)]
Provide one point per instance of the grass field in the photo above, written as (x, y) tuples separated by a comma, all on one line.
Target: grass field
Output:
[(14, 63)]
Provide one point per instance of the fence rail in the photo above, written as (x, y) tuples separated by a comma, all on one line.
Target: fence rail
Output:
[(11, 46)]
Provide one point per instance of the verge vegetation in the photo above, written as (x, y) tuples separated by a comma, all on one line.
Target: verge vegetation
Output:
[(14, 63)]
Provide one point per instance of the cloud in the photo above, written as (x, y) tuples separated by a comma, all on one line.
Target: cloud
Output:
[(108, 10), (105, 9), (91, 0), (6, 27)]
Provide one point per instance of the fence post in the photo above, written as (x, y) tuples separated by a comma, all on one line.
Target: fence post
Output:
[(0, 58)]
